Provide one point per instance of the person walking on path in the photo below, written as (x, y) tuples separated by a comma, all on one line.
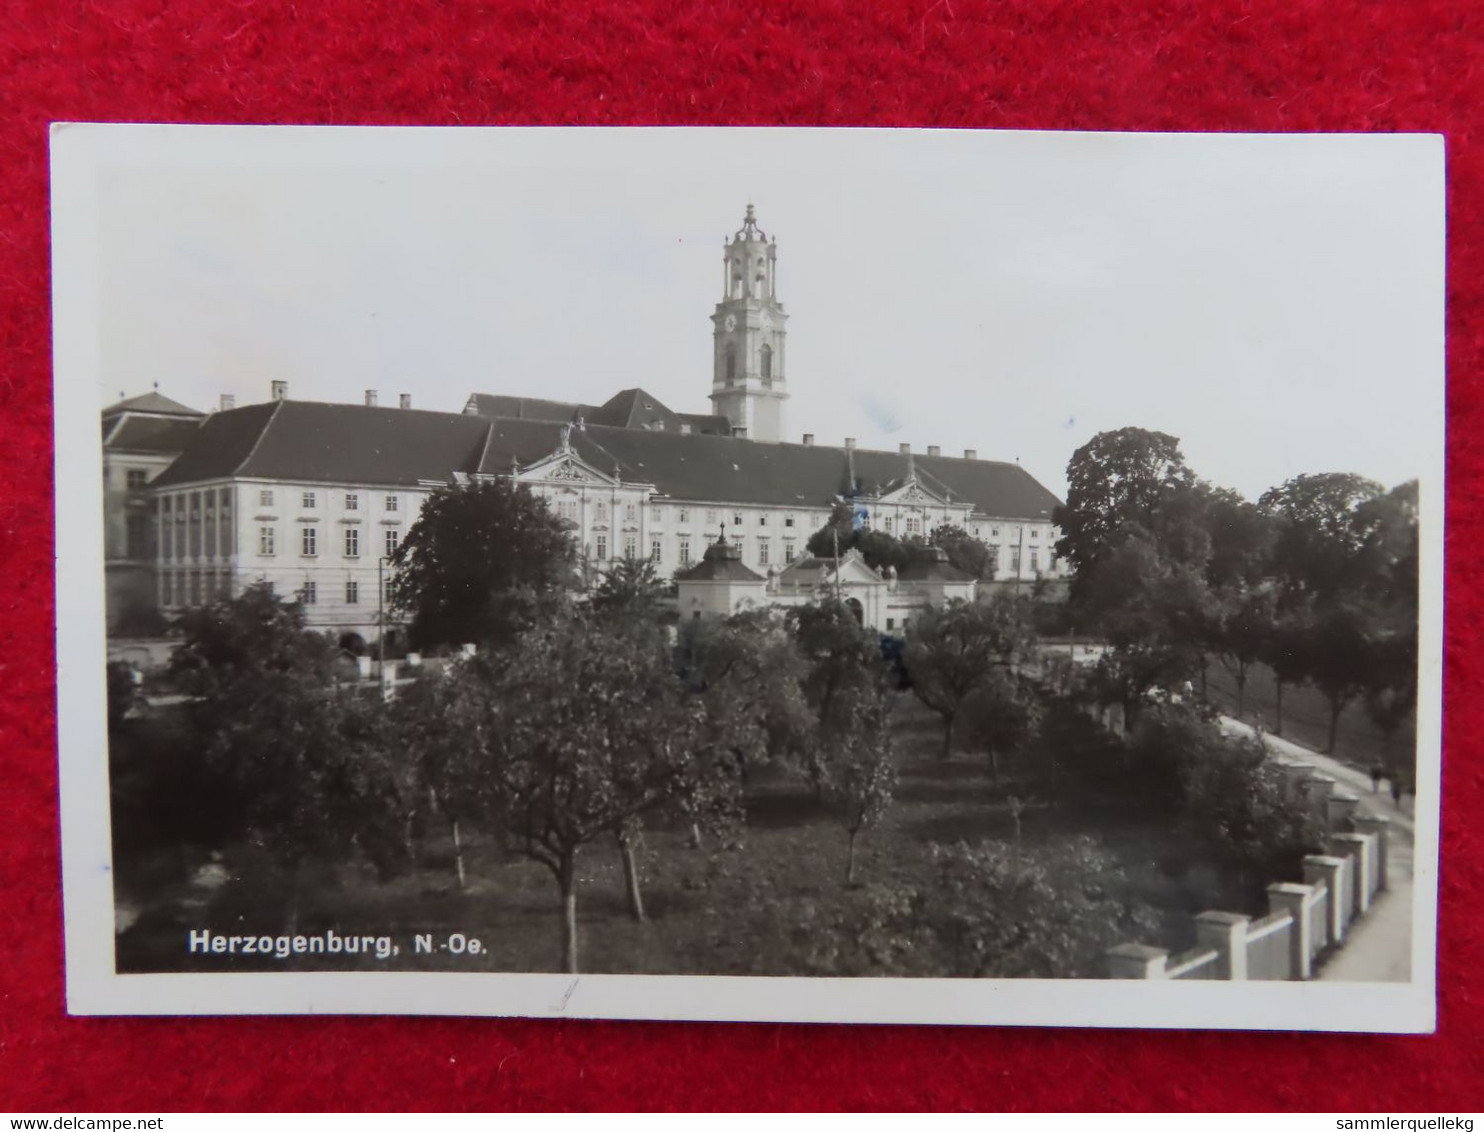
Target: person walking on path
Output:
[(1378, 947)]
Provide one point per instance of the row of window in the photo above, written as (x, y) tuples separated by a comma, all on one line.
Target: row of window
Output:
[(569, 509), (309, 500), (683, 555), (309, 592), (309, 541)]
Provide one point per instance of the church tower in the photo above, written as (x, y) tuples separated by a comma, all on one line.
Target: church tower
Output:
[(747, 383)]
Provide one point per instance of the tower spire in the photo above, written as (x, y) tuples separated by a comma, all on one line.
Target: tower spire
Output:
[(748, 384)]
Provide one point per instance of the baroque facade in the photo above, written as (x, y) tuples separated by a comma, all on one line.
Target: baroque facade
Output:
[(313, 497)]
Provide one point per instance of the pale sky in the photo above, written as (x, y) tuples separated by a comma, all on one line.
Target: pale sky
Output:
[(1275, 302)]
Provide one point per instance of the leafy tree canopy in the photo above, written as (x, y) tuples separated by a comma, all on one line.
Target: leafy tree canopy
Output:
[(480, 564)]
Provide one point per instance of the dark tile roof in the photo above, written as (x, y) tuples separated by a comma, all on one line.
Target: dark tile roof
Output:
[(932, 566), (628, 408), (309, 441), (151, 434), (526, 408), (152, 403), (726, 469), (319, 443), (721, 562)]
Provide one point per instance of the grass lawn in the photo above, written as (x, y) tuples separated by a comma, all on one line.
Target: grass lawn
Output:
[(1306, 717), (761, 903)]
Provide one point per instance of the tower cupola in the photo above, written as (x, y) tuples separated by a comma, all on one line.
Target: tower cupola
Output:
[(748, 383)]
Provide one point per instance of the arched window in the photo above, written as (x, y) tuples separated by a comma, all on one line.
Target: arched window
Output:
[(731, 362), (767, 359), (761, 291)]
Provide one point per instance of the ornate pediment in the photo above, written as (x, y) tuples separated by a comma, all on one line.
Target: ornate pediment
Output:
[(913, 493), (565, 468)]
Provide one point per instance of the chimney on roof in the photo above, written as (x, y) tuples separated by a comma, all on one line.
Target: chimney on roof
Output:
[(404, 400), (371, 398), (971, 453), (808, 440), (280, 390), (850, 444), (934, 450), (905, 449), (229, 402), (684, 428)]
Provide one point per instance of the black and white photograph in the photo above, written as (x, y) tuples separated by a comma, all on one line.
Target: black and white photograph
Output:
[(756, 574)]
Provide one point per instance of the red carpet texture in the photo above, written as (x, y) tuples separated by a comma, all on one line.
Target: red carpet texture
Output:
[(1260, 65)]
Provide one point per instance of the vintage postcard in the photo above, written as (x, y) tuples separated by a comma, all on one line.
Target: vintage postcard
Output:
[(803, 575)]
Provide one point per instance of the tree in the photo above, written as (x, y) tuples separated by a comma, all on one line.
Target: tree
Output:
[(964, 551), (837, 652), (1001, 718), (630, 588), (1319, 535), (1116, 480), (1242, 627), (1338, 655), (956, 649), (305, 758), (858, 772), (591, 731), (839, 534), (480, 564)]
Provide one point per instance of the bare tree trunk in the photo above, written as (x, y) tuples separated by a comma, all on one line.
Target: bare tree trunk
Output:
[(1241, 691), (1278, 724), (695, 835), (1335, 707), (407, 839), (947, 752), (458, 854), (631, 874), (994, 767), (850, 859), (567, 879)]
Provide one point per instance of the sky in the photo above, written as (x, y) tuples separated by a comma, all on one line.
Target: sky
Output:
[(1273, 301)]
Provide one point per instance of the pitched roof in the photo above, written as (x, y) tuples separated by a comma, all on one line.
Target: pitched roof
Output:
[(150, 434), (728, 469), (628, 408), (722, 562), (526, 408), (310, 441), (930, 564), (151, 403), (318, 443)]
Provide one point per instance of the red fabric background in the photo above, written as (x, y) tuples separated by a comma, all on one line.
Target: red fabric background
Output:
[(1262, 65)]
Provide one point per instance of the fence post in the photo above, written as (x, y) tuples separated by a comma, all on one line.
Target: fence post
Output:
[(1317, 789), (1372, 823), (1331, 871), (1135, 961), (1227, 933), (1293, 899), (1358, 847), (1294, 774), (1341, 806)]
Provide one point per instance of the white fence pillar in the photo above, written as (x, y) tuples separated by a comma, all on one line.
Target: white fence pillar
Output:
[(1227, 933), (1294, 899), (1360, 848), (1135, 961), (1330, 871), (1341, 809), (1371, 823)]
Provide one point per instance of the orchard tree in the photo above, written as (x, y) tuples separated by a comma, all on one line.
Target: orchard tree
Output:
[(482, 562), (1242, 628), (593, 731), (955, 650), (1339, 660), (858, 773), (305, 758), (1001, 719)]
